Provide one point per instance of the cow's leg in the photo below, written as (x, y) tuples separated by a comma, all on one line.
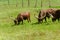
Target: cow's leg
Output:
[(48, 17), (45, 19), (53, 19), (28, 19), (58, 19), (39, 21), (22, 21), (18, 22)]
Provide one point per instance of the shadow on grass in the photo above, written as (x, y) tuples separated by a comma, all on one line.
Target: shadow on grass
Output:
[(45, 23), (35, 23), (16, 25)]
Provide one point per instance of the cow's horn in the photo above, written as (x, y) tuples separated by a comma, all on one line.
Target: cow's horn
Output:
[(35, 16), (12, 18), (42, 17), (51, 15)]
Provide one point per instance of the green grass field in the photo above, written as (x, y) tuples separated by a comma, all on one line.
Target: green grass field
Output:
[(28, 31)]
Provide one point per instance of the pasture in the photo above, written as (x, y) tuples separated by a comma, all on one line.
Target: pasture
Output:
[(28, 31)]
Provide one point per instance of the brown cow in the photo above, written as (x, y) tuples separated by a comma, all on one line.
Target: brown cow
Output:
[(44, 13), (56, 15), (21, 17)]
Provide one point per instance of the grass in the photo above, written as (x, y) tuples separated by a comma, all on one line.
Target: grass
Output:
[(27, 31)]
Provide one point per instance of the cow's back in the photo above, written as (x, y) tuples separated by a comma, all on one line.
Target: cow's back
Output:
[(25, 15), (57, 13)]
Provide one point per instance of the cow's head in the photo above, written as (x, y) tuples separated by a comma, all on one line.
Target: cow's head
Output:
[(40, 17), (15, 21)]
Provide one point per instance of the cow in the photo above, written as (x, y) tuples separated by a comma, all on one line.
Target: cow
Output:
[(43, 14), (56, 15), (22, 16)]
